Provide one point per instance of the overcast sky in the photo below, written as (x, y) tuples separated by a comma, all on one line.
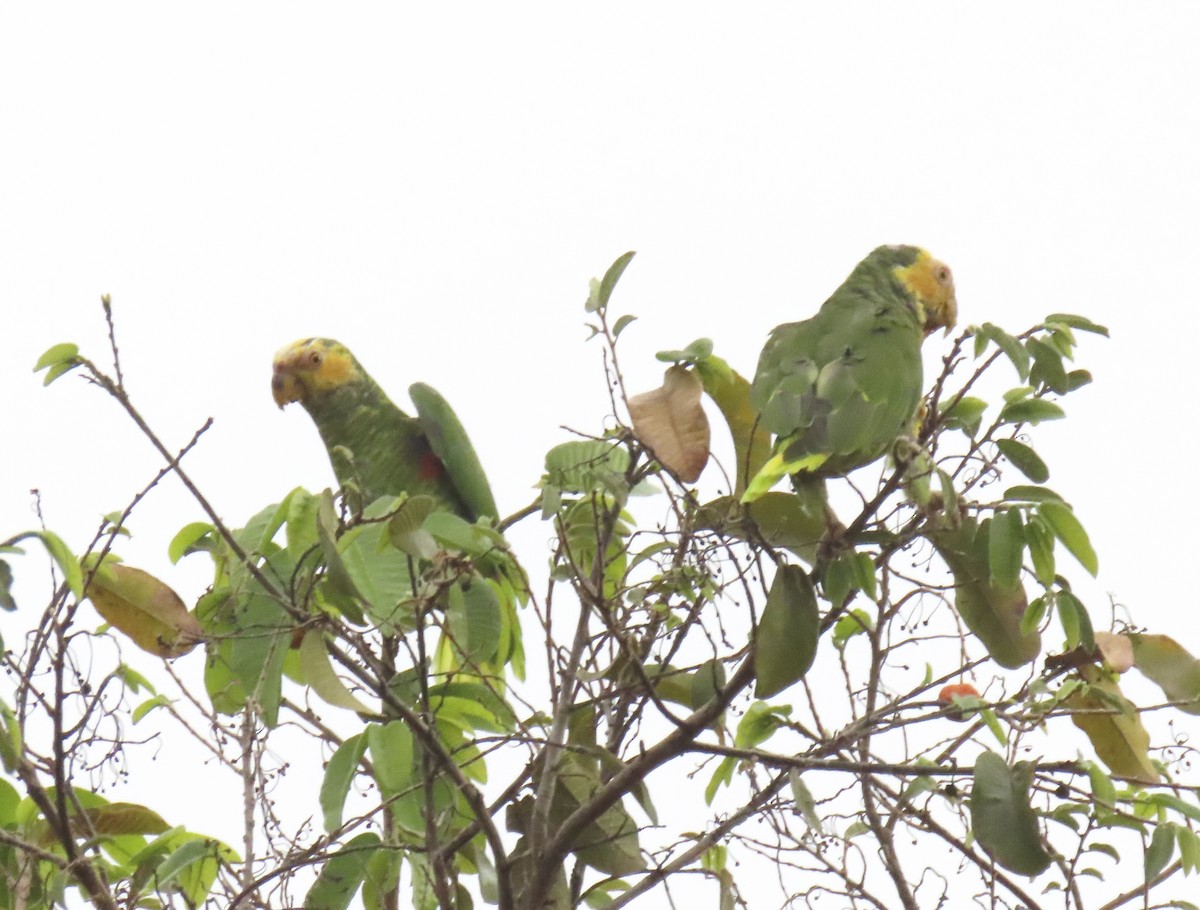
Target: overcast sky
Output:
[(434, 185)]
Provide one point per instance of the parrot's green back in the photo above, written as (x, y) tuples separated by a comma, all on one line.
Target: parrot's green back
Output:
[(838, 389), (373, 445)]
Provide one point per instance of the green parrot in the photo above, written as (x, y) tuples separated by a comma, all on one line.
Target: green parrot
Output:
[(838, 389), (373, 445)]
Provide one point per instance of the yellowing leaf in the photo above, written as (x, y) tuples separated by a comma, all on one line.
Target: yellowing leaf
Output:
[(670, 422), (125, 818), (1112, 724), (144, 609), (1166, 662)]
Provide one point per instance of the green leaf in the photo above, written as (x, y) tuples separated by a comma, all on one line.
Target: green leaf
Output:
[(730, 391), (62, 555), (1040, 540), (1024, 459), (785, 642), (185, 541), (1077, 322), (855, 622), (723, 775), (621, 324), (318, 673), (1189, 849), (158, 701), (1031, 410), (602, 290), (1077, 379), (965, 414), (392, 751), (1048, 370), (1161, 849), (343, 874), (60, 359), (759, 724), (1081, 624), (1067, 528), (1022, 493), (992, 612), (1002, 819), (6, 579), (339, 775), (56, 354), (804, 802), (1012, 348), (185, 867), (1006, 548)]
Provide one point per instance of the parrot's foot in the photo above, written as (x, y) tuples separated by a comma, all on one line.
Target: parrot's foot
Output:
[(835, 541)]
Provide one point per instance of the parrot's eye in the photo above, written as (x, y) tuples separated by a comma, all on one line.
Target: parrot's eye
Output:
[(315, 358), (943, 274)]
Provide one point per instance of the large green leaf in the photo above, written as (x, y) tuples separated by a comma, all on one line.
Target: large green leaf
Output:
[(993, 612), (1068, 529), (343, 874), (1002, 819), (785, 641), (730, 391), (339, 775)]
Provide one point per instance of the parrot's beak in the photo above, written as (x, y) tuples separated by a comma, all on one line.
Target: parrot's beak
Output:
[(941, 315), (285, 387)]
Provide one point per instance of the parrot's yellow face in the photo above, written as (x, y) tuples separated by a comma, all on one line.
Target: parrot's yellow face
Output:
[(309, 367), (932, 286)]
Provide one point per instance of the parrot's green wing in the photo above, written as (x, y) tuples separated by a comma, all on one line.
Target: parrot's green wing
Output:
[(838, 389), (450, 443)]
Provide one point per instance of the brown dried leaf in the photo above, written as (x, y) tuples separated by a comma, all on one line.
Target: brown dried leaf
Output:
[(144, 609), (671, 423)]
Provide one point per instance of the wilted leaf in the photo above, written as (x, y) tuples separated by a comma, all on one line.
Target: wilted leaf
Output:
[(124, 818), (1003, 821), (1112, 724), (144, 609), (785, 641), (1167, 663), (670, 422)]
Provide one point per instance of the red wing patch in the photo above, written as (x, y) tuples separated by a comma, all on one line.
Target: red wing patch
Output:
[(431, 467)]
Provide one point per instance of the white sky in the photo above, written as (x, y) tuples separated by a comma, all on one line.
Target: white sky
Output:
[(435, 184)]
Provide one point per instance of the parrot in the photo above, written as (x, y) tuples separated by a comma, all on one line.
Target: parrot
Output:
[(373, 445), (838, 389)]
